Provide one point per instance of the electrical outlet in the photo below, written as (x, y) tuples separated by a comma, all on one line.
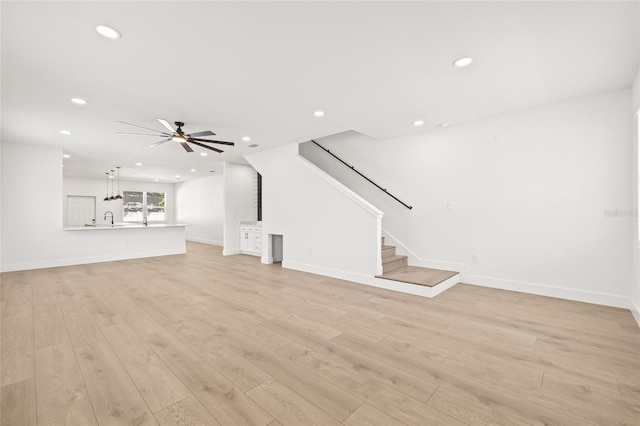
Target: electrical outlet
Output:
[(475, 258)]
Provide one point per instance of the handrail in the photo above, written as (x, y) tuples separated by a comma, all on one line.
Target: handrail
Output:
[(369, 180)]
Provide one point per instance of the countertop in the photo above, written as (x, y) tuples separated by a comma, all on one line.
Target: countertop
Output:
[(102, 227)]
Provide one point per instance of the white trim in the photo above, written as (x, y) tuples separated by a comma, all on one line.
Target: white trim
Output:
[(417, 290), (205, 241), (552, 291), (85, 260), (266, 260), (226, 252), (635, 311)]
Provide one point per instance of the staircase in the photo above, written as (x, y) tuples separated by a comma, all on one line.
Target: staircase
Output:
[(396, 268)]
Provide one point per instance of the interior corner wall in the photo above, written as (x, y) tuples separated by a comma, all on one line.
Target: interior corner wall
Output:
[(326, 228), (199, 205), (31, 203), (239, 205), (537, 197)]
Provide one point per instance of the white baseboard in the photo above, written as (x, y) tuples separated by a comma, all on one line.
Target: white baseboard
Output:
[(205, 241), (54, 263), (635, 311), (552, 291), (417, 290), (266, 260), (251, 253), (226, 252)]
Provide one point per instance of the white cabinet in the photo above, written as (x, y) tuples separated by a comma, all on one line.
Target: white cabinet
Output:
[(251, 239)]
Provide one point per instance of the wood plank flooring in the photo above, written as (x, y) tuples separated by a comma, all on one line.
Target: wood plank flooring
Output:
[(203, 339)]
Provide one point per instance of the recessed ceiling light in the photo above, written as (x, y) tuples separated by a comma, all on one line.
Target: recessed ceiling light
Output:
[(138, 164), (155, 180), (462, 62), (66, 156), (107, 32), (111, 177), (78, 101), (418, 123), (204, 154), (65, 132), (177, 176), (444, 124), (246, 138), (319, 113), (193, 170), (212, 171), (253, 145)]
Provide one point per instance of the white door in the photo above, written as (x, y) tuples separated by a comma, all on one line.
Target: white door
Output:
[(81, 210)]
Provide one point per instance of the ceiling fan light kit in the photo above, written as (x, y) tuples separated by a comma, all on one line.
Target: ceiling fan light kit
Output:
[(178, 135)]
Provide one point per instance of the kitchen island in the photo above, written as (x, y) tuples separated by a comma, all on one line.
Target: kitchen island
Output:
[(106, 242)]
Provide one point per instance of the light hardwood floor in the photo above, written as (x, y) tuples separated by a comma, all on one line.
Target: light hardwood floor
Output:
[(202, 339)]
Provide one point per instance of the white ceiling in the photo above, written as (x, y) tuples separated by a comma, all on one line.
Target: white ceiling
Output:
[(261, 69)]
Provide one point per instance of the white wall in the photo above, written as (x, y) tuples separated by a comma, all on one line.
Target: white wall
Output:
[(326, 228), (31, 203), (635, 178), (238, 200), (199, 204), (97, 187), (529, 190), (32, 209)]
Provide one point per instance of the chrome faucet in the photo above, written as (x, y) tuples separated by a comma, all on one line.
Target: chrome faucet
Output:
[(105, 216)]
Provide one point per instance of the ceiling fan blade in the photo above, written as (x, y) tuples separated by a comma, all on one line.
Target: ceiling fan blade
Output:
[(142, 134), (186, 147), (199, 134), (159, 143), (208, 147), (218, 142), (166, 124), (146, 128)]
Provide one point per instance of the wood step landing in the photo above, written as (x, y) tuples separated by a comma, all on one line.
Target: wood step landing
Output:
[(395, 268), (417, 275)]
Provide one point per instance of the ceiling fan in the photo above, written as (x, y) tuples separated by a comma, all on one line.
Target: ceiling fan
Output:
[(178, 135)]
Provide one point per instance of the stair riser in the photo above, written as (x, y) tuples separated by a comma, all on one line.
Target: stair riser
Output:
[(388, 252), (392, 266)]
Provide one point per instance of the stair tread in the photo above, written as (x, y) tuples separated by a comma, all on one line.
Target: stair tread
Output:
[(417, 275)]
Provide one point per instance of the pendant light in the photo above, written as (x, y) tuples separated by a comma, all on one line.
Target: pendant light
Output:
[(118, 197), (106, 198), (113, 197)]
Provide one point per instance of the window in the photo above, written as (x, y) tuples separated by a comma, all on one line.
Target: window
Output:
[(137, 204), (155, 206)]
